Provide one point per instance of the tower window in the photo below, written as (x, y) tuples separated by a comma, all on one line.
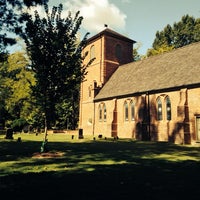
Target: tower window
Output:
[(118, 51), (92, 52)]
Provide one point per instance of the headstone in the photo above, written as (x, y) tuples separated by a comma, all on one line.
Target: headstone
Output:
[(80, 133), (9, 133)]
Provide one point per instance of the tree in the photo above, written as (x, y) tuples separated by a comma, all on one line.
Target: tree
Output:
[(182, 33), (4, 91), (15, 95), (19, 79), (159, 50), (56, 59), (10, 20), (136, 55)]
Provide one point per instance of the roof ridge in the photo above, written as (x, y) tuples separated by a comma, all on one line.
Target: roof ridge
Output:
[(168, 52)]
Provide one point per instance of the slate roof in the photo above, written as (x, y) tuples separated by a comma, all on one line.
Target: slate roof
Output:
[(177, 68)]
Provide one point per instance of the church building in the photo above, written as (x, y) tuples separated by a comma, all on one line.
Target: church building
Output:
[(155, 99)]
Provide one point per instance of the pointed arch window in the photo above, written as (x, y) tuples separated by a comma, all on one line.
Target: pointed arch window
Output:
[(104, 113), (168, 108), (132, 105), (159, 109), (125, 111)]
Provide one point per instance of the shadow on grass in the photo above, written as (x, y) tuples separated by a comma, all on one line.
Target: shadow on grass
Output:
[(101, 169)]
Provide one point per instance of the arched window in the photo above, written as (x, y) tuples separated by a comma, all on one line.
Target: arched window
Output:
[(100, 112), (132, 104), (168, 108), (159, 109), (125, 111), (118, 51), (92, 52), (104, 113)]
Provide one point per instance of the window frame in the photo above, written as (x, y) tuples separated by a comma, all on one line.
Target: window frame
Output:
[(100, 112), (168, 108), (159, 109), (92, 52), (104, 113), (132, 107), (126, 111)]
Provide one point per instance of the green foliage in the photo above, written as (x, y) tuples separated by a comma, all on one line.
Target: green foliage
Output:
[(10, 20), (56, 59), (162, 49), (18, 124), (4, 92), (136, 55), (16, 100), (182, 33), (19, 79)]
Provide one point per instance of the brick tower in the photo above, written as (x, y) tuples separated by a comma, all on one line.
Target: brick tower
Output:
[(110, 50)]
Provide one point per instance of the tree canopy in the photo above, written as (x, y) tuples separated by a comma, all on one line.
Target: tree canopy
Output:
[(10, 14), (181, 33)]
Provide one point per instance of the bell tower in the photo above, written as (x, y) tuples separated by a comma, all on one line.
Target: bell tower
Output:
[(110, 50)]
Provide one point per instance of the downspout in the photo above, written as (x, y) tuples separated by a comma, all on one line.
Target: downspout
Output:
[(101, 81), (148, 117), (93, 118)]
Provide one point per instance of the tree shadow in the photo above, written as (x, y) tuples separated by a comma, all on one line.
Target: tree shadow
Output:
[(106, 169), (146, 127)]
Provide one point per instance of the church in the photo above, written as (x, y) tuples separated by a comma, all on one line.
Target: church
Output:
[(155, 99)]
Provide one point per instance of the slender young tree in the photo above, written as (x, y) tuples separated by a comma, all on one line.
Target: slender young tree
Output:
[(56, 58)]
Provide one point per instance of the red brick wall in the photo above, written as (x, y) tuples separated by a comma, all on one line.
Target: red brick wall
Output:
[(181, 129)]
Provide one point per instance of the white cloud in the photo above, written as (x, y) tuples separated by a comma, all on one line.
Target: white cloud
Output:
[(97, 13)]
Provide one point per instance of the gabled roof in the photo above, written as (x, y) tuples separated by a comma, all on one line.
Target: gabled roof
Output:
[(112, 33), (177, 68)]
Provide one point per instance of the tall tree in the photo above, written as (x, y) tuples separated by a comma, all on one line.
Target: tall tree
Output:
[(56, 58), (4, 91), (19, 79), (15, 95)]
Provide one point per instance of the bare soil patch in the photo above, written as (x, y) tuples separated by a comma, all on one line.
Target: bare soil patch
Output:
[(48, 154)]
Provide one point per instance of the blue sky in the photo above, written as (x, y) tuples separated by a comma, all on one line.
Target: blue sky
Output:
[(136, 19)]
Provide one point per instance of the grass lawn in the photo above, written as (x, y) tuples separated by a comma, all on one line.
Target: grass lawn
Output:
[(97, 169)]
